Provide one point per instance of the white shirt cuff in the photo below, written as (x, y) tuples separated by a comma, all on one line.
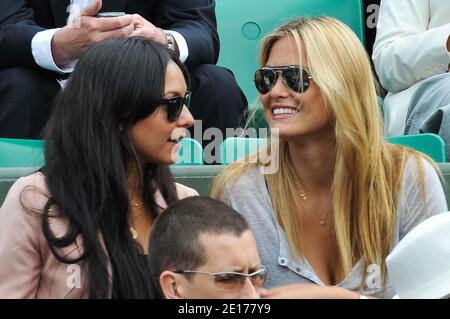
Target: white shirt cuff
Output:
[(41, 48), (182, 45)]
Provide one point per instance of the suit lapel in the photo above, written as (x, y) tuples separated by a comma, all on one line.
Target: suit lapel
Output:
[(60, 9)]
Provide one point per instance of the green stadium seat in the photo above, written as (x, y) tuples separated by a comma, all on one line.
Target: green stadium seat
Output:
[(431, 144), (30, 153), (234, 148), (8, 175), (20, 157), (21, 153), (242, 24), (198, 177), (190, 153)]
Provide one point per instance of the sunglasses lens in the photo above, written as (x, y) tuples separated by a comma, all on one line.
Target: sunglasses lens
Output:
[(175, 106), (173, 111), (235, 281), (292, 78), (304, 80), (259, 279), (264, 80), (228, 281), (297, 79)]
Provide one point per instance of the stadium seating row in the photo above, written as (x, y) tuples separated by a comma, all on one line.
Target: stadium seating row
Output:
[(29, 153), (21, 157), (199, 177)]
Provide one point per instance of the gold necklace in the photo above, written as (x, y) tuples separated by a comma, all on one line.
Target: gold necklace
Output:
[(322, 219), (133, 231)]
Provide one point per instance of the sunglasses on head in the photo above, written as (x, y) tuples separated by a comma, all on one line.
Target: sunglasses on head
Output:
[(175, 105), (232, 280), (294, 77)]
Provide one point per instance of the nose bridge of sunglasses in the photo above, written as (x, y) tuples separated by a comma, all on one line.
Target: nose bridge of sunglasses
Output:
[(242, 281), (276, 75)]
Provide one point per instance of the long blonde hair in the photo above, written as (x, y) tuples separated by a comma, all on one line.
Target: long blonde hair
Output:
[(368, 171)]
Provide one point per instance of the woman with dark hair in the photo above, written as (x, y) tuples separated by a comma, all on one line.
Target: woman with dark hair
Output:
[(80, 226)]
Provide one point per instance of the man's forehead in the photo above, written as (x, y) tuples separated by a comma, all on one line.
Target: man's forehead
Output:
[(230, 248)]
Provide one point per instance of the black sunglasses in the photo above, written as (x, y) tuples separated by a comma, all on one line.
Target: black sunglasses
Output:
[(294, 77), (175, 105)]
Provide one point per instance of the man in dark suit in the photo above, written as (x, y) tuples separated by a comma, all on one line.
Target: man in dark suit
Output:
[(38, 47)]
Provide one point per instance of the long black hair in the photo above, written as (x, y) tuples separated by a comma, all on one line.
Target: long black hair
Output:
[(89, 155)]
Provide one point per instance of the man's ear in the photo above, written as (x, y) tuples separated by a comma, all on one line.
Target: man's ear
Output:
[(171, 285)]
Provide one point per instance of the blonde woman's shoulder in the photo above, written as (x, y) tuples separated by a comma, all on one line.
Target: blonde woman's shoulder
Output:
[(414, 165), (250, 176)]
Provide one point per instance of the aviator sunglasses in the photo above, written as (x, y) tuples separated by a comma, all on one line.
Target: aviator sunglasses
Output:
[(294, 77), (175, 105)]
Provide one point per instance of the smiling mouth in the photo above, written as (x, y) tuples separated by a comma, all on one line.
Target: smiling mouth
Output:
[(284, 111)]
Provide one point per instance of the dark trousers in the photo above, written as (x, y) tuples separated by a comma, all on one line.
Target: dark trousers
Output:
[(217, 100), (26, 98)]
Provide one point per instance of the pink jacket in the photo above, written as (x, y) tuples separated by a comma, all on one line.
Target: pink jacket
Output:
[(28, 269)]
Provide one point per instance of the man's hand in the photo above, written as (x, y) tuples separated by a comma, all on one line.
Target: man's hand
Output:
[(71, 41), (144, 28)]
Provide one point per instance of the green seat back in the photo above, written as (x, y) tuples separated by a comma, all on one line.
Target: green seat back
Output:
[(190, 153), (431, 144), (30, 153), (19, 157), (21, 153), (242, 24), (8, 176), (198, 177), (234, 148)]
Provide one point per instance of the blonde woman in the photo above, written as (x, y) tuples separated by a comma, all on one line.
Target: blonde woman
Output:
[(342, 196)]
